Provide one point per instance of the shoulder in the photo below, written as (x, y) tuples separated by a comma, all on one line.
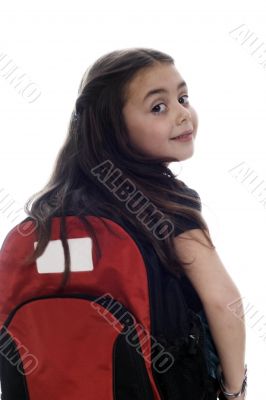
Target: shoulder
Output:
[(186, 196), (193, 198)]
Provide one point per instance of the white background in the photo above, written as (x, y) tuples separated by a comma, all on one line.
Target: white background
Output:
[(55, 42)]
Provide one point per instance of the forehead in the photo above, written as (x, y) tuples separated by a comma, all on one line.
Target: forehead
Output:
[(153, 77)]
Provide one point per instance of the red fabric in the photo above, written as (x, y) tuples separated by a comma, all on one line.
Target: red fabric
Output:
[(124, 277), (60, 352)]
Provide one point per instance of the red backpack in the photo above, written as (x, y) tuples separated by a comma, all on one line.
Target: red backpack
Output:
[(121, 330)]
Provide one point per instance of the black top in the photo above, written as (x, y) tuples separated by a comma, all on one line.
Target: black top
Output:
[(189, 291), (194, 203)]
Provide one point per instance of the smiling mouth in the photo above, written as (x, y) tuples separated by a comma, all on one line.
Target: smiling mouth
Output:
[(184, 137), (185, 134)]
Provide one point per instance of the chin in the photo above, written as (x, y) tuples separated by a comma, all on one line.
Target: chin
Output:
[(184, 157)]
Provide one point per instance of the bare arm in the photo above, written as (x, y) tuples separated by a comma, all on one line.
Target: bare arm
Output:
[(216, 290)]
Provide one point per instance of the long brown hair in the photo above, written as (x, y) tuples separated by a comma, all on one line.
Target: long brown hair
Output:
[(97, 135)]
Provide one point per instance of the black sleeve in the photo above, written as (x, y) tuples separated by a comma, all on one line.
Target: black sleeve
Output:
[(187, 223)]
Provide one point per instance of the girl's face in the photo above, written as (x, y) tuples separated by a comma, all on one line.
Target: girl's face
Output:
[(154, 120)]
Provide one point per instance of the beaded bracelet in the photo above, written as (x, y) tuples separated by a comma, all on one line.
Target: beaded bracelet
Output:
[(232, 395)]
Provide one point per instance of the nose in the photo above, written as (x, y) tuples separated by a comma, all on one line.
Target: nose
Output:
[(182, 114)]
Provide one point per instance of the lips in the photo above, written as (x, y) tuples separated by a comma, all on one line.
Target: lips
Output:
[(187, 132)]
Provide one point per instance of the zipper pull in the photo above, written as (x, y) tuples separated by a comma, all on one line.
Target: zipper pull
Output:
[(193, 343)]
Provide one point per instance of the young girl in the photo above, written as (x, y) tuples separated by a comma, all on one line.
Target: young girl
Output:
[(133, 110)]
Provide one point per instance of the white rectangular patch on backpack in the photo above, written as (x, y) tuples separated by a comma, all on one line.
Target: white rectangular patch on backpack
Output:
[(52, 260)]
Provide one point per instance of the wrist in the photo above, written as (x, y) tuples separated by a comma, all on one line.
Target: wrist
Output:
[(229, 392)]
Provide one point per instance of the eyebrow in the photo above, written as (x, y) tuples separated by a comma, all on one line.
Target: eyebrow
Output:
[(162, 90)]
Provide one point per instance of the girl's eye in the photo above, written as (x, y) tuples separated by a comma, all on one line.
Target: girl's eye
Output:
[(157, 105), (185, 95)]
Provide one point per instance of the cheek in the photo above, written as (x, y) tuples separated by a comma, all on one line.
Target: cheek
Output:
[(156, 131), (194, 117), (141, 128), (147, 131), (137, 130)]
